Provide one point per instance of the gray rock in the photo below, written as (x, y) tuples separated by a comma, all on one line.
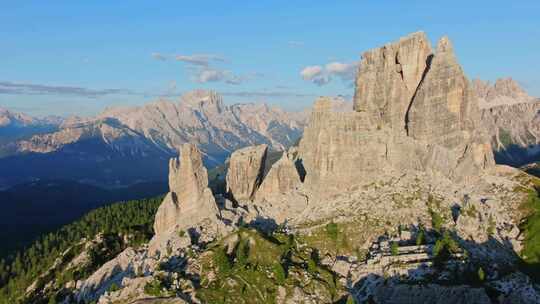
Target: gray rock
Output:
[(245, 173)]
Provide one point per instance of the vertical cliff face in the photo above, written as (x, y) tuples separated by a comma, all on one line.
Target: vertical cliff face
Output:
[(388, 78), (443, 110), (338, 149)]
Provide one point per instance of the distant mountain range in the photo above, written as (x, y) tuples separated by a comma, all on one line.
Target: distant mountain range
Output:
[(513, 120), (128, 145), (15, 126)]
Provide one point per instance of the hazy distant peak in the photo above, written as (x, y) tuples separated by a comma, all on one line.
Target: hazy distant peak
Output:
[(505, 91), (203, 99), (8, 117)]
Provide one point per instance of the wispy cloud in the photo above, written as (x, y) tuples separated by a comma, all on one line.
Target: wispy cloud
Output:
[(14, 88), (199, 59), (320, 75), (203, 70)]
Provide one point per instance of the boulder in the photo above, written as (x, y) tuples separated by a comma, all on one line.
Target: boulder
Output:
[(245, 173)]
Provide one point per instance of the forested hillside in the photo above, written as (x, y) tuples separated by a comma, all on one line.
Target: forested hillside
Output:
[(103, 233), (33, 209)]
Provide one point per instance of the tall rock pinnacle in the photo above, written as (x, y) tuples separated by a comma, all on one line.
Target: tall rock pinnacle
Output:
[(444, 107), (189, 201)]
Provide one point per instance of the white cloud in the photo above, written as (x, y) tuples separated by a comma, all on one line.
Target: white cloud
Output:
[(315, 74), (346, 71), (321, 76), (310, 72)]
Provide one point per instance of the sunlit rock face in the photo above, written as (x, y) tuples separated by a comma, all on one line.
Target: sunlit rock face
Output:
[(245, 172), (413, 110), (388, 78)]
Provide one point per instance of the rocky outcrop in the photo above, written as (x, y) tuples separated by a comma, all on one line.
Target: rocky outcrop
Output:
[(245, 172), (189, 201), (127, 264), (386, 196)]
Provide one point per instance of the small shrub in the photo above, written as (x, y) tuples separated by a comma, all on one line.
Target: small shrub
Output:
[(279, 273), (332, 231), (242, 252), (471, 211), (221, 260), (181, 233), (436, 220), (154, 288), (394, 249), (114, 287), (420, 238), (312, 266), (481, 274), (491, 226), (445, 247)]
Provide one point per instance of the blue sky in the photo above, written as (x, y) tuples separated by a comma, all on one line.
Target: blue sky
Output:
[(78, 57)]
